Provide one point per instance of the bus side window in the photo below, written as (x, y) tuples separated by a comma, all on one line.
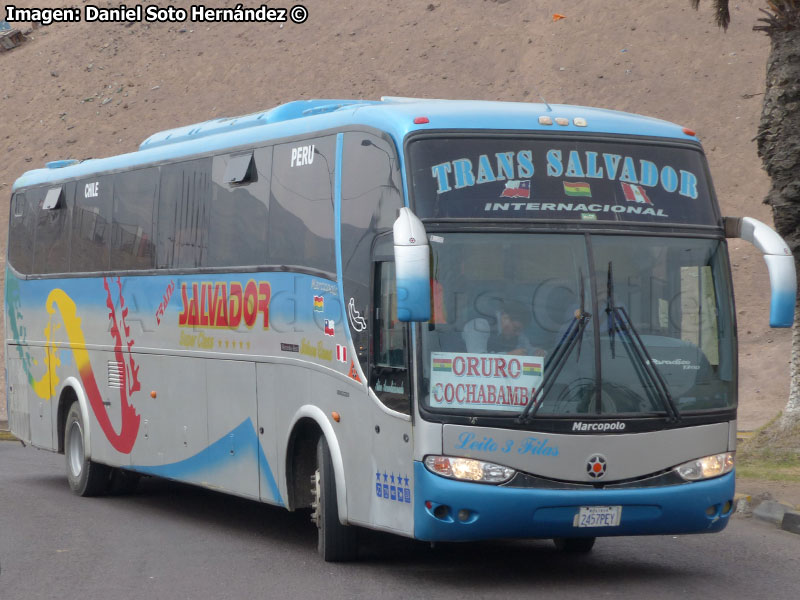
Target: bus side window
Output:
[(21, 233), (132, 240), (183, 214), (389, 374), (91, 224), (237, 235), (51, 254), (301, 204)]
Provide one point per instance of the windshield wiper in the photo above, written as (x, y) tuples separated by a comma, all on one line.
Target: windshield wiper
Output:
[(572, 337), (618, 320)]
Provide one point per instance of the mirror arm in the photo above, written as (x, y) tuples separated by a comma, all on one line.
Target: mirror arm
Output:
[(780, 264)]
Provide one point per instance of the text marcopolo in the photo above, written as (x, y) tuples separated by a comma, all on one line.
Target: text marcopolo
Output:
[(581, 426)]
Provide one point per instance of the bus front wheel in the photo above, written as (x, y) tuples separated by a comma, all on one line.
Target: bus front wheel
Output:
[(335, 542), (574, 545), (86, 478)]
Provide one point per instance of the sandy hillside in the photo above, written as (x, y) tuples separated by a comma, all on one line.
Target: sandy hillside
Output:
[(88, 90)]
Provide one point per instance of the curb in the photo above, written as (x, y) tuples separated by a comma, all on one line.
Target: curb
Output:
[(791, 522), (781, 514), (7, 436), (772, 511), (743, 503)]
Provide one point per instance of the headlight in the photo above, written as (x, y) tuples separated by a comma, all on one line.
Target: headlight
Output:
[(707, 467), (468, 469)]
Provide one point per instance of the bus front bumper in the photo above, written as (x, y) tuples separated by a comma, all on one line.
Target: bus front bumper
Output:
[(449, 510)]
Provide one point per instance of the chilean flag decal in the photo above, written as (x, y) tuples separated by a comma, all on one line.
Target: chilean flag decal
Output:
[(328, 327), (517, 189)]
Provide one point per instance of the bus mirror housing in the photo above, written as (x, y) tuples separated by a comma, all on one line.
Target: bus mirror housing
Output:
[(780, 264), (412, 267)]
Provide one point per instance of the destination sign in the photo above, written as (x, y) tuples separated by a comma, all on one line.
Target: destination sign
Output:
[(517, 178), (469, 381)]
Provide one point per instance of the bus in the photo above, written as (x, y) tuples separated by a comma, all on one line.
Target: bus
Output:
[(447, 320)]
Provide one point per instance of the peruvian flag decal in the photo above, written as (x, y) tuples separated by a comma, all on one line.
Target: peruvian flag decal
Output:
[(341, 353)]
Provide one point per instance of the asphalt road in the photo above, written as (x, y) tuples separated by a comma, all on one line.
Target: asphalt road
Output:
[(173, 541)]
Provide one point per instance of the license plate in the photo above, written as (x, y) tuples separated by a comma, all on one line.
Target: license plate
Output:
[(598, 516)]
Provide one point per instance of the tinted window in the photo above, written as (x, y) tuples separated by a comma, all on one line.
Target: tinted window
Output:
[(21, 232), (132, 244), (371, 195), (183, 214), (389, 375), (53, 229), (581, 179), (238, 231), (301, 204), (91, 224)]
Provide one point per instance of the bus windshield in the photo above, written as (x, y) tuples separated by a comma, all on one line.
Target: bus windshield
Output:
[(505, 304)]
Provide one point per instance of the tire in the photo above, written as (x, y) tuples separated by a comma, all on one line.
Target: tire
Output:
[(575, 545), (335, 542), (86, 478)]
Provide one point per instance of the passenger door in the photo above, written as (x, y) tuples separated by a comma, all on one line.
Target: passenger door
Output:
[(390, 387)]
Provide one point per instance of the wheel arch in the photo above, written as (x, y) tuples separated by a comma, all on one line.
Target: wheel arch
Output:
[(71, 391), (308, 425)]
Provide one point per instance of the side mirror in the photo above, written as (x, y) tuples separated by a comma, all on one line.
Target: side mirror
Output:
[(780, 264), (412, 267)]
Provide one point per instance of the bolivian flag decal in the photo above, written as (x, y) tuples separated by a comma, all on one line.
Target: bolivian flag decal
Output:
[(578, 188), (443, 364)]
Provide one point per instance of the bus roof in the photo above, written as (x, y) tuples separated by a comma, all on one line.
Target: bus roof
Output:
[(396, 116)]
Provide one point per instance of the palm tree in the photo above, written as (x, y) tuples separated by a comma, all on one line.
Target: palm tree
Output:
[(779, 144)]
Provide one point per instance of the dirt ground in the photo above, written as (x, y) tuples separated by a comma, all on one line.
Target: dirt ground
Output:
[(785, 492), (79, 90)]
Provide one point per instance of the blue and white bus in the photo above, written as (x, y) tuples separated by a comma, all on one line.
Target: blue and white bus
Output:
[(449, 320)]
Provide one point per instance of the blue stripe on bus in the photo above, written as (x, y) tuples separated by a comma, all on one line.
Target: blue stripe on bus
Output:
[(505, 512), (218, 456), (781, 309)]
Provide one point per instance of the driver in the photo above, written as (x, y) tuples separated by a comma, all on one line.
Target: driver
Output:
[(509, 338)]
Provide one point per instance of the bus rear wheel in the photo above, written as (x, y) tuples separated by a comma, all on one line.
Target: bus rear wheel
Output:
[(86, 478), (335, 542), (575, 545)]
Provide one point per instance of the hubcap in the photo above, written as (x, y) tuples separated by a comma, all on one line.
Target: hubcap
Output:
[(75, 448)]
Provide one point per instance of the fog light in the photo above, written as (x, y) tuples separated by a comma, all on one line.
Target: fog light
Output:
[(726, 508), (711, 511), (464, 515), (441, 511)]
